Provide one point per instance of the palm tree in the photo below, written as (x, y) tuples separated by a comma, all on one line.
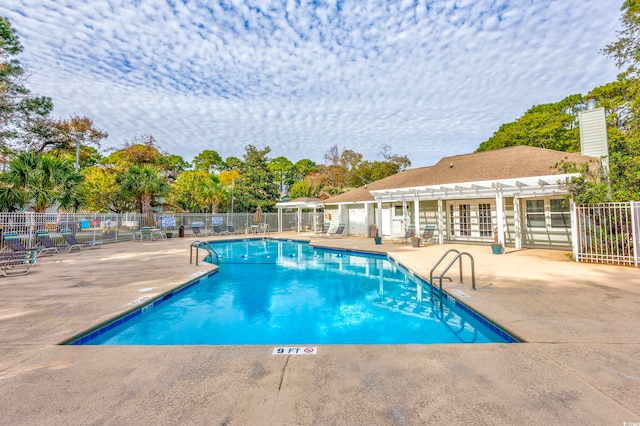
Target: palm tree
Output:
[(40, 179), (213, 191), (146, 182), (56, 181)]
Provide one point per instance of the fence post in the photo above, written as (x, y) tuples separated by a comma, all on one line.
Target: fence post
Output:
[(575, 233), (31, 228), (94, 223), (634, 232)]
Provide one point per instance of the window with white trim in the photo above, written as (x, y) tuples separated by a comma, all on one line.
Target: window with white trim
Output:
[(464, 211), (484, 220), (535, 214), (560, 213), (452, 222), (549, 213)]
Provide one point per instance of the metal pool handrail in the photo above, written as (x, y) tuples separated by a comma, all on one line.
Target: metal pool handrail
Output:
[(457, 257), (205, 245)]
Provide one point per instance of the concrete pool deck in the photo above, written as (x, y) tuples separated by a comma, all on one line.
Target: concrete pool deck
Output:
[(580, 365)]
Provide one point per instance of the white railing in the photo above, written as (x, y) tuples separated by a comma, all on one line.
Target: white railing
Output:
[(607, 233), (115, 227)]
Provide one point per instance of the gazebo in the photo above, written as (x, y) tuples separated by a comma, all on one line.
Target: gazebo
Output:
[(302, 203)]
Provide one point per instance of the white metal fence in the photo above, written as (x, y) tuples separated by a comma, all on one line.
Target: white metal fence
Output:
[(607, 233), (112, 227)]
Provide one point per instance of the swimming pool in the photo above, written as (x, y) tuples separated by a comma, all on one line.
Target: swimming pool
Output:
[(287, 293)]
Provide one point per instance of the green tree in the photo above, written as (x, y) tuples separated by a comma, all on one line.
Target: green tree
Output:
[(184, 191), (199, 191), (213, 192), (147, 183), (300, 189), (256, 185), (22, 115), (371, 171), (626, 49), (62, 136), (43, 180), (551, 126), (283, 169), (173, 165), (302, 168), (102, 192), (233, 163), (209, 161), (140, 150), (402, 161)]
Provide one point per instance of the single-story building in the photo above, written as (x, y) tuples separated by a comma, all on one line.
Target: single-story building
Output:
[(514, 193)]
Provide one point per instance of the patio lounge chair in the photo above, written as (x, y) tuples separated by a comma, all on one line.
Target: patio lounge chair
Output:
[(146, 233), (230, 229), (48, 246), (410, 232), (73, 244), (17, 263), (339, 232), (12, 242), (217, 230), (195, 230), (427, 235), (324, 232)]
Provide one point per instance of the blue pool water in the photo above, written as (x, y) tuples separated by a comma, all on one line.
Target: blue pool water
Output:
[(287, 293)]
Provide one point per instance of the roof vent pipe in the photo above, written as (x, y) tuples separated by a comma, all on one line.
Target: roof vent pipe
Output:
[(591, 102)]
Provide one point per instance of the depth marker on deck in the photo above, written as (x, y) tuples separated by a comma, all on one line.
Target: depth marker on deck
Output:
[(309, 350)]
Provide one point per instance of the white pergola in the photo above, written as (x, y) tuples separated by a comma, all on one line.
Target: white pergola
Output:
[(300, 204), (517, 188)]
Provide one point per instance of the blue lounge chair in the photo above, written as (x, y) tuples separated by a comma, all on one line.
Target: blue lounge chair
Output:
[(217, 230), (427, 234), (12, 242), (48, 246), (339, 232), (410, 232), (73, 244), (17, 263), (325, 230)]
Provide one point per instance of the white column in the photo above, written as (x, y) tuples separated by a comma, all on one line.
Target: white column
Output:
[(517, 221), (440, 223), (416, 213), (379, 224), (279, 219), (315, 228), (500, 216), (299, 218)]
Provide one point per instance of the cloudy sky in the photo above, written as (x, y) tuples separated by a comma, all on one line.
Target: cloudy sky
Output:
[(429, 78)]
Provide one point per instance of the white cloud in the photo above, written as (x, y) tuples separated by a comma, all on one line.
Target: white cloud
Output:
[(427, 78)]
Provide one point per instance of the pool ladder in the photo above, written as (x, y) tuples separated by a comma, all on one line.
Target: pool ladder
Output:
[(457, 257), (205, 245)]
